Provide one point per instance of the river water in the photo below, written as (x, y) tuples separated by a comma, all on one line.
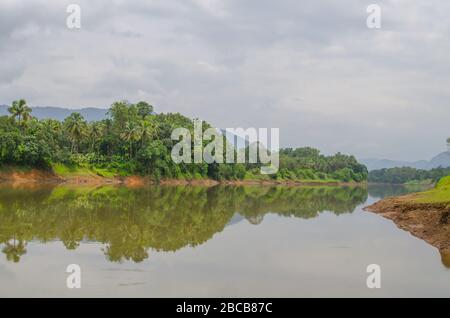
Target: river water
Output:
[(223, 241)]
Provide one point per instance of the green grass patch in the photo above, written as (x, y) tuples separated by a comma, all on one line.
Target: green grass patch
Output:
[(71, 171), (440, 194), (419, 182), (104, 172)]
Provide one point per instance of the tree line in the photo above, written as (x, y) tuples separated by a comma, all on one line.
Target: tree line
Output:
[(133, 139), (404, 175)]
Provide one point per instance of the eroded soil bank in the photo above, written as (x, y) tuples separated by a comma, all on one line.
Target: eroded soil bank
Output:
[(47, 177), (427, 221)]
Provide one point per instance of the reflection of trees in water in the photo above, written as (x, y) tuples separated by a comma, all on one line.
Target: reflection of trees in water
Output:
[(381, 191), (14, 250), (131, 221), (302, 202)]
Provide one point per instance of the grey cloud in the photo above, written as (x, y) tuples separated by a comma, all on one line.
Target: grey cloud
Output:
[(311, 68)]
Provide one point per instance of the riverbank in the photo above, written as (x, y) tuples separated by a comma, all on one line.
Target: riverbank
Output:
[(35, 176), (425, 215)]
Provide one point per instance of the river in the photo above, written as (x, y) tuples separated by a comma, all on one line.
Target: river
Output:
[(222, 241)]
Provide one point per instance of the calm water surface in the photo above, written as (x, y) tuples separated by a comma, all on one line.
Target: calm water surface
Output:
[(209, 242)]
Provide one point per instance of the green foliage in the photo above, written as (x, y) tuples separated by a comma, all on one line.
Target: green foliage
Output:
[(309, 164), (135, 140), (20, 111), (407, 175)]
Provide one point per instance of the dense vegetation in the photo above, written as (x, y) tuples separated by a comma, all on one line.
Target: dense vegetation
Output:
[(136, 140), (309, 163), (407, 175)]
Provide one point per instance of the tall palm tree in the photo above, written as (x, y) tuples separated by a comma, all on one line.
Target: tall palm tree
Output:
[(76, 127), (96, 130), (448, 144), (20, 109), (130, 135)]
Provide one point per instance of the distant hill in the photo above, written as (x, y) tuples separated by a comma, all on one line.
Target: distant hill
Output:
[(60, 113), (441, 160)]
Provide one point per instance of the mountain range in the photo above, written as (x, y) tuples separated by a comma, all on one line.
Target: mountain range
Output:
[(59, 113), (440, 160)]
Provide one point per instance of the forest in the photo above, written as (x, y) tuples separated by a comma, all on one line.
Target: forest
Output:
[(135, 140), (405, 175)]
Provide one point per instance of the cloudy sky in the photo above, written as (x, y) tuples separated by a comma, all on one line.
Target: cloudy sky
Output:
[(311, 68)]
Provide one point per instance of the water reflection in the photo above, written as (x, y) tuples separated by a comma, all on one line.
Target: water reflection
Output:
[(380, 191), (131, 222)]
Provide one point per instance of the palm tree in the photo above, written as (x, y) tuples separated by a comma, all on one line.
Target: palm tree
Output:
[(20, 109), (448, 144), (96, 130), (14, 250), (130, 135), (76, 127), (145, 130)]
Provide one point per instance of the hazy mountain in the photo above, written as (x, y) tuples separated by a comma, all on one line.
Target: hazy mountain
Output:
[(60, 113), (441, 160)]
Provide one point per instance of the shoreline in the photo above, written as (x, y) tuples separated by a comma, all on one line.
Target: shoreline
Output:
[(35, 176), (427, 221)]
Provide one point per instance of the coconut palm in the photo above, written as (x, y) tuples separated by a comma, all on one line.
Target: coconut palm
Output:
[(130, 135), (96, 131), (76, 127), (14, 250), (146, 130), (20, 110)]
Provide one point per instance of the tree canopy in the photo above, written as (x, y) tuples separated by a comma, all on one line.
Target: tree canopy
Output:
[(133, 139)]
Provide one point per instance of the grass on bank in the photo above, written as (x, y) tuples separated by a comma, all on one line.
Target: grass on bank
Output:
[(251, 176), (73, 171), (440, 194)]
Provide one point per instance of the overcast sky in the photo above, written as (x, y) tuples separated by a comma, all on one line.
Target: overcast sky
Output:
[(311, 68)]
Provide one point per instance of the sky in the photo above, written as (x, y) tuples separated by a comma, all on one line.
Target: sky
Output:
[(313, 69)]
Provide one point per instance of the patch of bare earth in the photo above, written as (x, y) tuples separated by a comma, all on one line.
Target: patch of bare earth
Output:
[(29, 177), (429, 222)]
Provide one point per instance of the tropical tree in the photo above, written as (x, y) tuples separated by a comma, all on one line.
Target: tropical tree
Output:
[(76, 127), (14, 250), (96, 131), (146, 129), (448, 144), (130, 135), (20, 110), (144, 109)]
